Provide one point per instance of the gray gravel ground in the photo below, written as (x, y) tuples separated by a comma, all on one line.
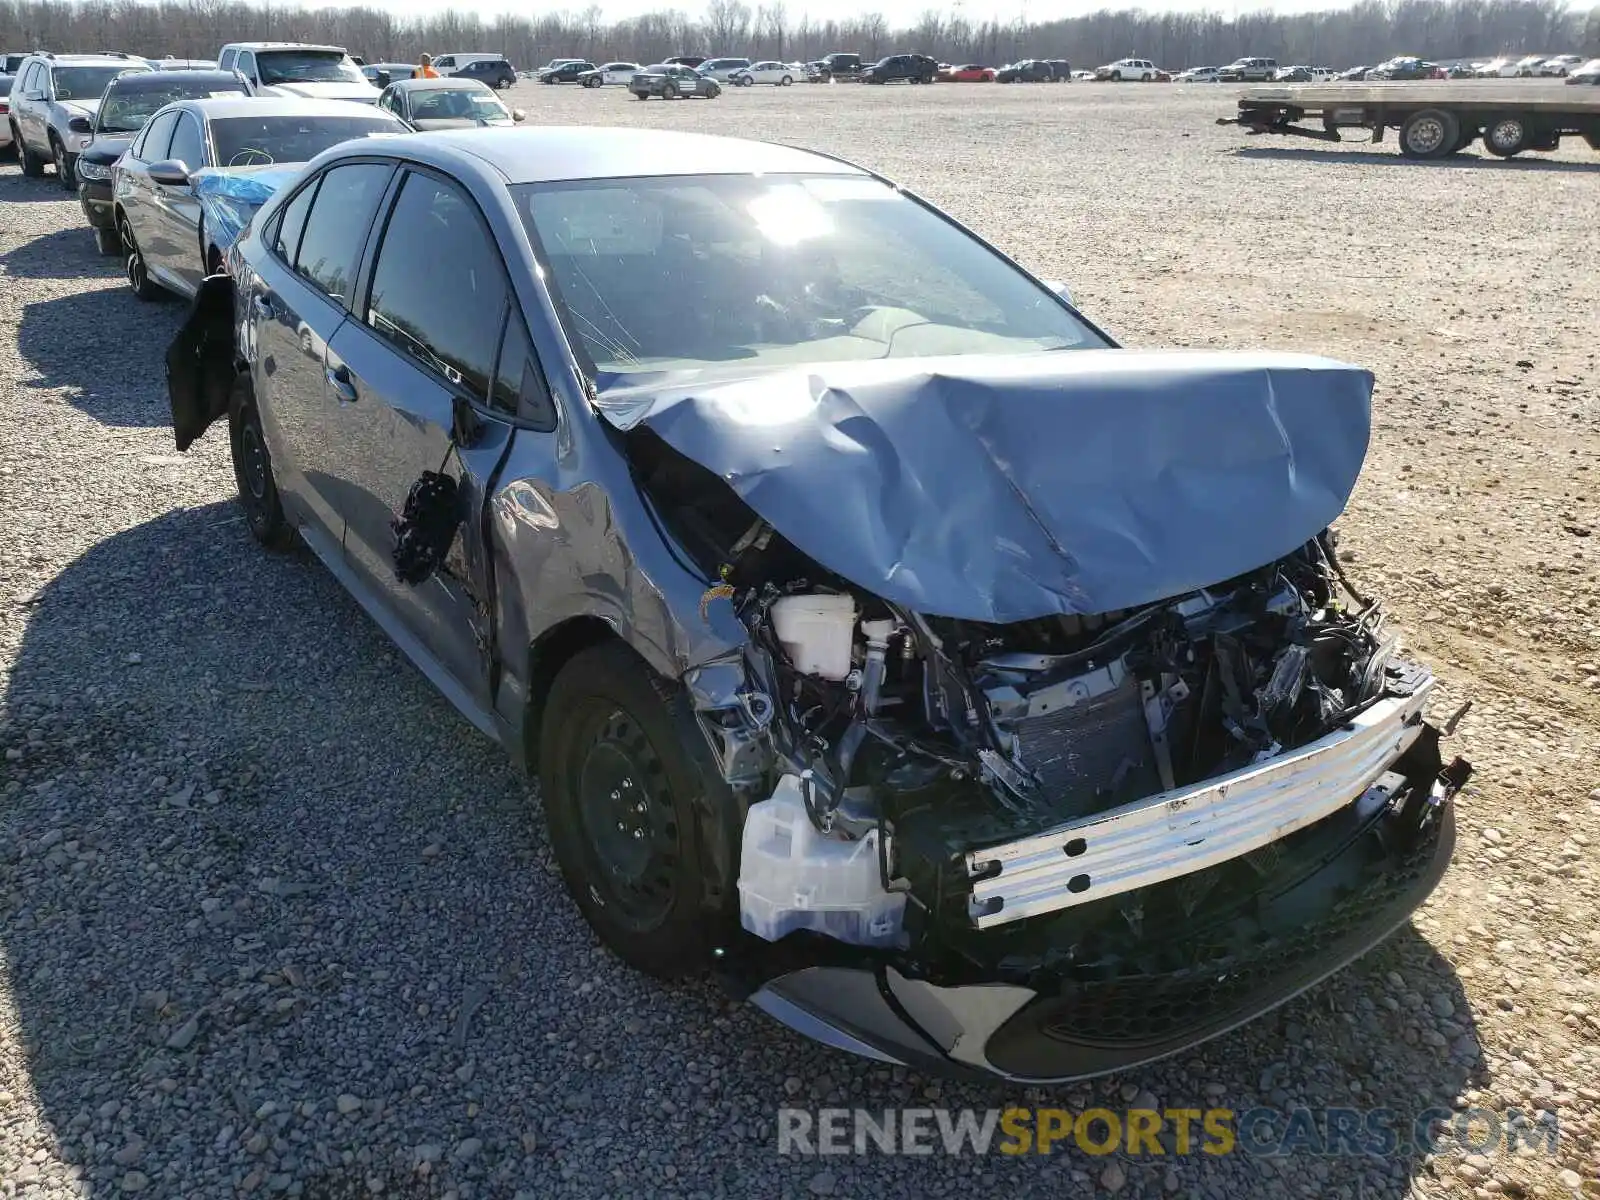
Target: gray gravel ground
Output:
[(274, 921)]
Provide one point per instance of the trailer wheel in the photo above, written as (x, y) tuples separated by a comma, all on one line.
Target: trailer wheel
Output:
[(1430, 133), (1504, 136)]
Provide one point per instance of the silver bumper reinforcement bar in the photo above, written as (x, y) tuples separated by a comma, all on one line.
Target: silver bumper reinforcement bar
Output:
[(1188, 829)]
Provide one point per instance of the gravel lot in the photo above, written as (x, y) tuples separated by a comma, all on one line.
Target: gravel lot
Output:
[(274, 921)]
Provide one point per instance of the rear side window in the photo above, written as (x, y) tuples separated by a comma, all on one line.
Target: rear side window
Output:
[(225, 63), (291, 223), (336, 228), (439, 287)]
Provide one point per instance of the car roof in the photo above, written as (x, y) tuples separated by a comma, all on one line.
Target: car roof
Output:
[(449, 83), (552, 153), (223, 107), (254, 46), (93, 60), (154, 81)]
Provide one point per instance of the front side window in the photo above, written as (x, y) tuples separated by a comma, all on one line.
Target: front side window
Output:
[(188, 143), (261, 141), (306, 66), (742, 271), (336, 229), (439, 286), (157, 136)]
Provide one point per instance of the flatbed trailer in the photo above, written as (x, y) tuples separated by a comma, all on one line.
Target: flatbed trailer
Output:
[(1434, 118)]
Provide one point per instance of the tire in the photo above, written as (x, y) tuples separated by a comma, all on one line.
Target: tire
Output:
[(785, 81), (592, 82), (66, 176), (504, 82), (1116, 77), (1505, 135), (252, 470), (1430, 133), (669, 90), (1593, 139), (138, 272), (32, 164), (612, 730), (107, 241)]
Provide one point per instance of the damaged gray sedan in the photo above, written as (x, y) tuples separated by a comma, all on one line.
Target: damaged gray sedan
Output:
[(967, 691)]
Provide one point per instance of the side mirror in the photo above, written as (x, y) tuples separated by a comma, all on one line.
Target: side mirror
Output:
[(80, 125), (518, 115), (170, 172), (1060, 289)]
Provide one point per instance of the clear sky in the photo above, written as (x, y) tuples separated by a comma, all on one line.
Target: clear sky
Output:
[(898, 12)]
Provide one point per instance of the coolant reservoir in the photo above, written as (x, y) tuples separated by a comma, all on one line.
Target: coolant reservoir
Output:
[(816, 631), (793, 877)]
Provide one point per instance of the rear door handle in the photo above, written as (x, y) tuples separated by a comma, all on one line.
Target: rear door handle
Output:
[(339, 381)]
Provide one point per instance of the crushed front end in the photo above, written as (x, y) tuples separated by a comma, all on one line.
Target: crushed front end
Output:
[(1064, 739), (1064, 846)]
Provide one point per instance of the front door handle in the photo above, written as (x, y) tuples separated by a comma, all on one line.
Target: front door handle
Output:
[(339, 380)]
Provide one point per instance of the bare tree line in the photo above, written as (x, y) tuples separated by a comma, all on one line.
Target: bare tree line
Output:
[(1367, 32)]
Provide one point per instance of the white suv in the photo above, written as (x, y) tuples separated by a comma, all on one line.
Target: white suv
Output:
[(298, 69), (53, 102), (1140, 69), (723, 69)]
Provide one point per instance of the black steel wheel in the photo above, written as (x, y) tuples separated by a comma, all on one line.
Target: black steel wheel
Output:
[(252, 470), (626, 802)]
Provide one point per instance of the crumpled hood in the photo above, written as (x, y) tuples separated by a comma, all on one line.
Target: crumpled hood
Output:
[(1006, 488), (364, 92), (229, 196)]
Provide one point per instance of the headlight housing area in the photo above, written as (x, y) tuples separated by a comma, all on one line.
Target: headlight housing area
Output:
[(99, 172)]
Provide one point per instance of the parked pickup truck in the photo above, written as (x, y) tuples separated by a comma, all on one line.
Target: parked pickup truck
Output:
[(836, 66)]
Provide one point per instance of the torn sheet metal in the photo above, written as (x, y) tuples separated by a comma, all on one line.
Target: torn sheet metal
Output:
[(1006, 488), (230, 196)]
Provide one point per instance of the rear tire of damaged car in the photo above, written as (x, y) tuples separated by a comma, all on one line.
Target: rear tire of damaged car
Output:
[(252, 470), (623, 801)]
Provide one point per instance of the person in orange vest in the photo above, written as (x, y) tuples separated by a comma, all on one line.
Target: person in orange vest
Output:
[(425, 71)]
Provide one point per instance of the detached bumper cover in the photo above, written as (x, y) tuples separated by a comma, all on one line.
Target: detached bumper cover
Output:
[(1075, 1028), (1179, 832)]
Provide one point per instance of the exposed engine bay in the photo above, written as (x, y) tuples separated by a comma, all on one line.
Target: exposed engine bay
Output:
[(916, 745)]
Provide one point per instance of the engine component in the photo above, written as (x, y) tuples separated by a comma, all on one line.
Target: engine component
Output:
[(793, 877), (816, 631)]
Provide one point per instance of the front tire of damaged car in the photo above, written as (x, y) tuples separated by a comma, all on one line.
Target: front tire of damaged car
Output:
[(625, 803), (252, 470)]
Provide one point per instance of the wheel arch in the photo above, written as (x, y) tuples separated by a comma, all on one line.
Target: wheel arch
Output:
[(547, 655)]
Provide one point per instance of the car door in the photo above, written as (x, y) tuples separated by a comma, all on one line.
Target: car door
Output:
[(303, 291), (420, 367), (177, 209), (36, 106), (135, 193)]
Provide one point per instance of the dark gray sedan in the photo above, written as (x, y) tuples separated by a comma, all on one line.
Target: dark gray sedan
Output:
[(448, 103), (671, 81), (970, 692), (234, 150)]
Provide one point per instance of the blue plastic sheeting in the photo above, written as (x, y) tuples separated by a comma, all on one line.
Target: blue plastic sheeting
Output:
[(1006, 488), (229, 197)]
